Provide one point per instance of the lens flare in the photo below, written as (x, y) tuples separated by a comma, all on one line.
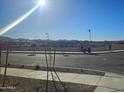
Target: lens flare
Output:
[(16, 22)]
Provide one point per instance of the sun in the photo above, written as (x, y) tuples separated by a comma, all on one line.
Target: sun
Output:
[(42, 2)]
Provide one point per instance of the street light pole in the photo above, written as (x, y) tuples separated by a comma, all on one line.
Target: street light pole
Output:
[(90, 38), (89, 44)]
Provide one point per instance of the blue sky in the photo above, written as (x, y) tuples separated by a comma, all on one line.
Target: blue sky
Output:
[(65, 19)]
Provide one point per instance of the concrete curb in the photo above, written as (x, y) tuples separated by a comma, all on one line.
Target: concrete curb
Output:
[(58, 53), (60, 69), (64, 53)]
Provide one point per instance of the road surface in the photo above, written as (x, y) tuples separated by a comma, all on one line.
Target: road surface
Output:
[(110, 62)]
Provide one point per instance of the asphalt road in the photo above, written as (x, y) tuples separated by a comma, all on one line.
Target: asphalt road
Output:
[(110, 62)]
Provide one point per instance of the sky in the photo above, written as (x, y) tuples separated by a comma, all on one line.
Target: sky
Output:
[(65, 19)]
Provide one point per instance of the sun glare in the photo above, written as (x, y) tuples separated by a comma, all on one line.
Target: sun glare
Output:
[(42, 2)]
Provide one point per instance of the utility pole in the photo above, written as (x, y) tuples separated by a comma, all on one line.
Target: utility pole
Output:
[(90, 40), (90, 37)]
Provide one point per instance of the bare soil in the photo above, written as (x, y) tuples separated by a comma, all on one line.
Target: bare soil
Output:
[(19, 84)]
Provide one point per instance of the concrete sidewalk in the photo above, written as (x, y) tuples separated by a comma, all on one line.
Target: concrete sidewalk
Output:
[(108, 83)]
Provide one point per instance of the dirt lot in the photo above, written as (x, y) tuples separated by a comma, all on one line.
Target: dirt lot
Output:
[(32, 85)]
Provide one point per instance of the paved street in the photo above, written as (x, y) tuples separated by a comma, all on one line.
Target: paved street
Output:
[(109, 62)]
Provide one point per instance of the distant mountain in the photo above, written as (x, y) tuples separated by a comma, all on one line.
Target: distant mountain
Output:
[(57, 42), (3, 38)]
